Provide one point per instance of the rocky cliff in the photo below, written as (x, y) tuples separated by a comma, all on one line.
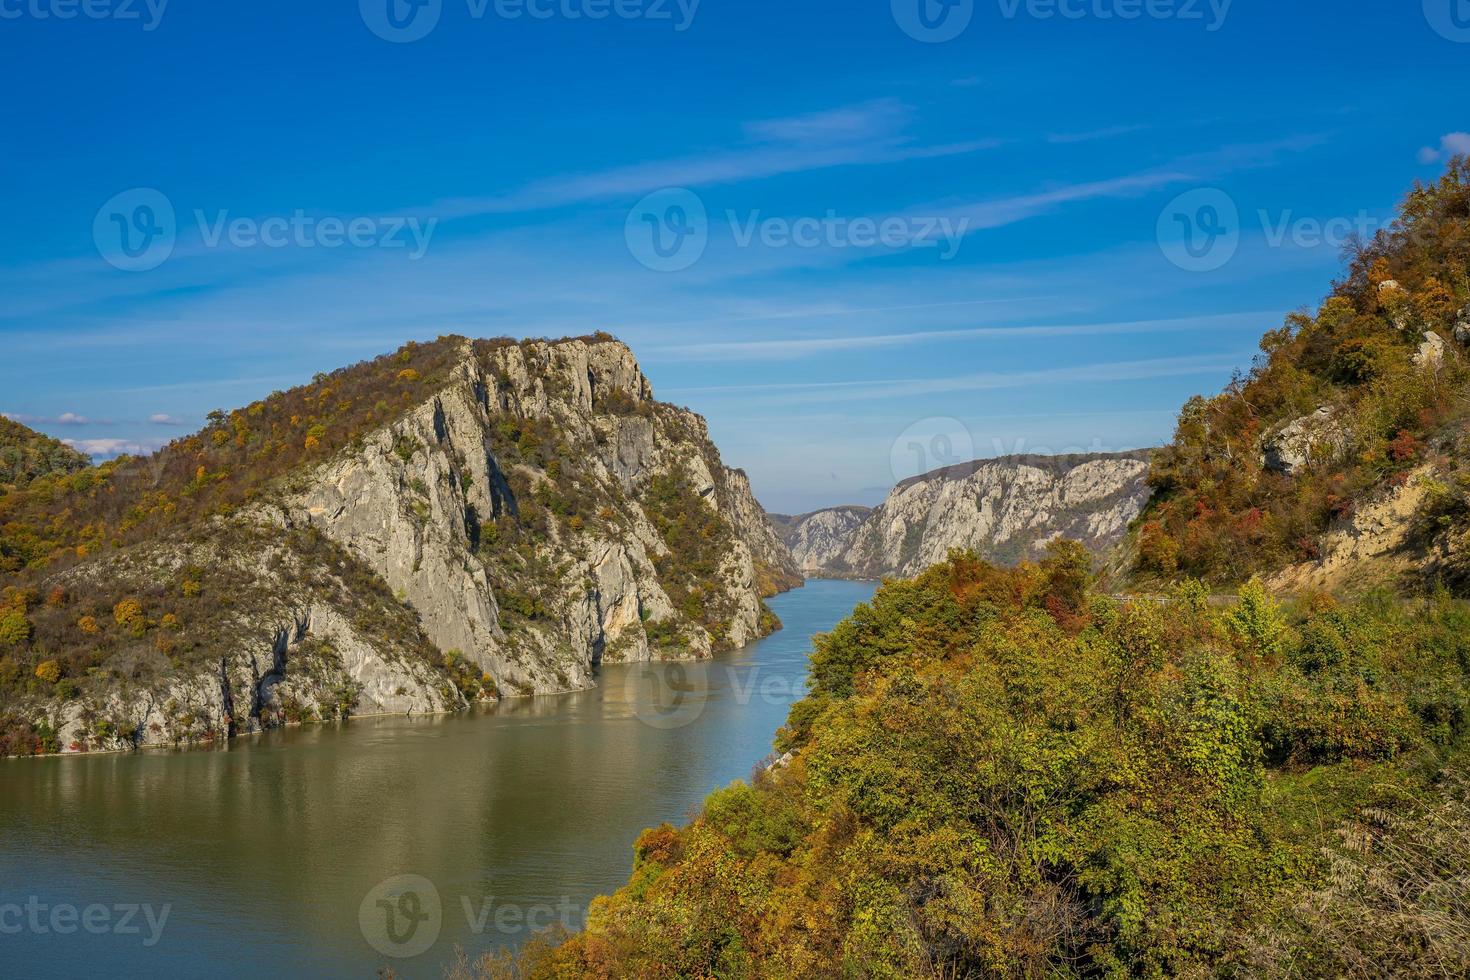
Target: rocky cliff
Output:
[(534, 513), (818, 540), (1006, 509)]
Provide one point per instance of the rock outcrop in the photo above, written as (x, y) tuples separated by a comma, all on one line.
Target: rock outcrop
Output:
[(1005, 509), (1431, 352), (292, 635), (533, 515), (818, 540), (1317, 437)]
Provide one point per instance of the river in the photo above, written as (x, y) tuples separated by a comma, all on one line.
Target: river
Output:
[(270, 857)]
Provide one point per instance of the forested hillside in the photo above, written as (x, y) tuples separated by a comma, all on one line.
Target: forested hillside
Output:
[(1346, 404), (27, 455), (1002, 773), (1009, 773)]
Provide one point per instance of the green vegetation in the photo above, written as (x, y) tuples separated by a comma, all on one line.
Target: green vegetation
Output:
[(1220, 513), (27, 455), (64, 516), (1004, 773), (140, 618), (1011, 773)]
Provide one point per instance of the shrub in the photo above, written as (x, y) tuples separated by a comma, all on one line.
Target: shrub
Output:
[(15, 628)]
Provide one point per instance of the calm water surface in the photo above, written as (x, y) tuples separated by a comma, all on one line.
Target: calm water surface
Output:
[(265, 856)]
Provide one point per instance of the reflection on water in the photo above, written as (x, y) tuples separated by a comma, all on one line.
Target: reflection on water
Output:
[(272, 854)]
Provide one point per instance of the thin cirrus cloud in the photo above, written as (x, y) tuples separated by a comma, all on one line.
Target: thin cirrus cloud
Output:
[(868, 134), (1109, 132), (753, 350), (108, 448), (65, 418), (1114, 371), (1450, 145)]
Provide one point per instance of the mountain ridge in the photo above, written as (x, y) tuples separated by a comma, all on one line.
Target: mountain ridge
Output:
[(1005, 508), (522, 511)]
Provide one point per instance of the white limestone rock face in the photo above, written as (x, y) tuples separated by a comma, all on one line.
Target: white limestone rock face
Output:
[(1005, 509), (414, 503), (1431, 352), (294, 644), (532, 516), (818, 539), (1319, 437)]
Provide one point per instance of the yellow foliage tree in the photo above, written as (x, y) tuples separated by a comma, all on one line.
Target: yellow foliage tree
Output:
[(129, 613)]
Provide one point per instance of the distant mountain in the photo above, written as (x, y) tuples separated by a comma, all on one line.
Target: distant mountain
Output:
[(27, 455), (818, 539), (460, 520), (1004, 509)]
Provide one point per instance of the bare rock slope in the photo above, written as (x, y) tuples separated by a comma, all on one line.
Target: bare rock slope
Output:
[(534, 514), (1005, 509)]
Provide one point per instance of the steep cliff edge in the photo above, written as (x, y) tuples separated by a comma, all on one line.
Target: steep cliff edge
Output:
[(460, 521), (818, 540), (1005, 509)]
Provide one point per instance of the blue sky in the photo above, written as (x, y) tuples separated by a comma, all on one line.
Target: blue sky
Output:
[(883, 246)]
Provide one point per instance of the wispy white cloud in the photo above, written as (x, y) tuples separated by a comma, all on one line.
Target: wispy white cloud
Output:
[(868, 134), (1109, 132), (790, 349), (846, 124), (161, 418), (1450, 145), (1163, 367), (109, 448), (65, 418)]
